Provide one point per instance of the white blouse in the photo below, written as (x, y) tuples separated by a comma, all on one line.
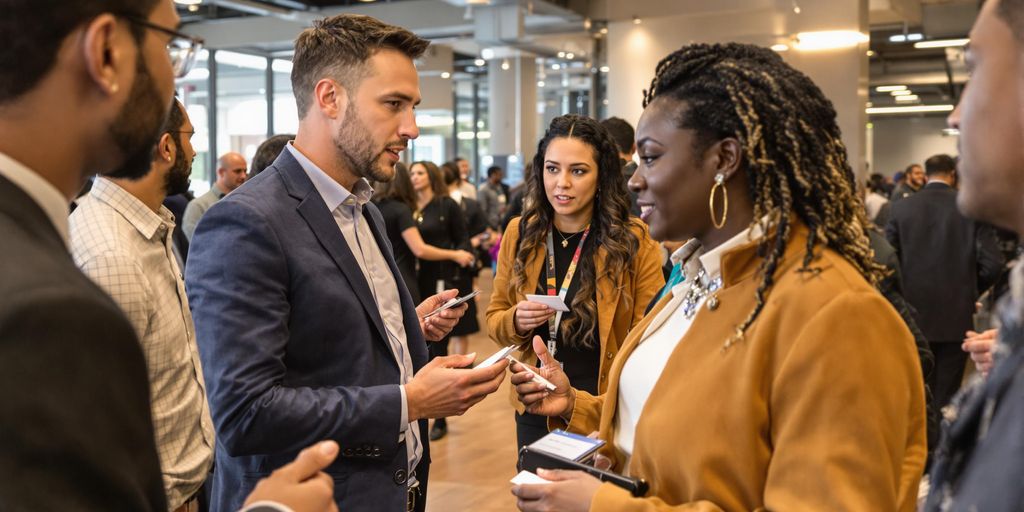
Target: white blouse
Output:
[(646, 363)]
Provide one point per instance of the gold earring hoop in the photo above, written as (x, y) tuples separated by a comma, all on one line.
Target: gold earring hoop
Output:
[(719, 183)]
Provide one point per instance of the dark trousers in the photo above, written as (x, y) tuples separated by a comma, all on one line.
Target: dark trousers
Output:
[(530, 428), (950, 362)]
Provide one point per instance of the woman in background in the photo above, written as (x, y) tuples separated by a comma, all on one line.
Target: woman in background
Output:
[(396, 201), (575, 240), (479, 239), (442, 224)]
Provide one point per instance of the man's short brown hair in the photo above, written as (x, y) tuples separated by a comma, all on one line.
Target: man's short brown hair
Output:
[(338, 47)]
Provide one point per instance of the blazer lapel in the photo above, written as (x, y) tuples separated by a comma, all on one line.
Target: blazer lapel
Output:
[(313, 210)]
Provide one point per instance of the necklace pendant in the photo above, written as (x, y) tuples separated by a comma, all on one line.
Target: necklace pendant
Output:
[(565, 243), (713, 303)]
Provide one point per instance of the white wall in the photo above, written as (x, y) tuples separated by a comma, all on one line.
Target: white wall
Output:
[(898, 142), (634, 51)]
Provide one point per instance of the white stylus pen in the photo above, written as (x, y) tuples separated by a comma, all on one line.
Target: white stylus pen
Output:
[(536, 378)]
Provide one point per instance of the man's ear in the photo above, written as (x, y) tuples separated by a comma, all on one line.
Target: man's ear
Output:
[(107, 51), (331, 98), (166, 148)]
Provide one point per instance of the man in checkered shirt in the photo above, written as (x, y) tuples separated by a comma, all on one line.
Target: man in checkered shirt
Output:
[(121, 238)]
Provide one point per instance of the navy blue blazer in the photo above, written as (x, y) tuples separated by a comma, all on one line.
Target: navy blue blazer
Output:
[(293, 346)]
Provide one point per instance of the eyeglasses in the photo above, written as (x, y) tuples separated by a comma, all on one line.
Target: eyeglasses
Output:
[(182, 48)]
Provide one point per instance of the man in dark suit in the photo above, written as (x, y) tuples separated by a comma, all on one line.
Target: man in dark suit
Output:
[(947, 261), (980, 459), (305, 328), (75, 426)]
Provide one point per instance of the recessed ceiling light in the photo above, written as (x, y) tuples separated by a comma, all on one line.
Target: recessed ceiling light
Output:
[(890, 88), (780, 47), (942, 43), (910, 109)]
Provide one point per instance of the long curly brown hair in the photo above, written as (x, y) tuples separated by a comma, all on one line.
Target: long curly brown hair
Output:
[(793, 154), (610, 226)]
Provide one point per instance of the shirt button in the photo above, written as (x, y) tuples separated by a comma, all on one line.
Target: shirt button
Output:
[(610, 355), (400, 477)]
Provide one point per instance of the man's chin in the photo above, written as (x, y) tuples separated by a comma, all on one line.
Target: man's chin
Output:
[(385, 171)]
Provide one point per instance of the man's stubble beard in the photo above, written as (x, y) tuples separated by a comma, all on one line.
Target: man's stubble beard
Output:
[(356, 147), (178, 175)]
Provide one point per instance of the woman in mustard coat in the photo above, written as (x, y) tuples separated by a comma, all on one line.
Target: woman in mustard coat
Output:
[(774, 376)]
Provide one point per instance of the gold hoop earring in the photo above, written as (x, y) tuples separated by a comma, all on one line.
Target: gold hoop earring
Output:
[(719, 182)]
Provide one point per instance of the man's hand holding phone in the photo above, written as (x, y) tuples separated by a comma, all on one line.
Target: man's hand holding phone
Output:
[(435, 322)]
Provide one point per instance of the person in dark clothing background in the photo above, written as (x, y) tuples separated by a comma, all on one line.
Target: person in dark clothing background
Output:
[(947, 261), (623, 135)]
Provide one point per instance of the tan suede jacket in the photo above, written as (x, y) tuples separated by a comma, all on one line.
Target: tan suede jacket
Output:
[(621, 299), (820, 407)]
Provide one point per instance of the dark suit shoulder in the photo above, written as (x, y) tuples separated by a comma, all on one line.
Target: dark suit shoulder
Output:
[(70, 361)]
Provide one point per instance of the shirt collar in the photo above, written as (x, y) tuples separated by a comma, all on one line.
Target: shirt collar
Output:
[(146, 221), (331, 191), (712, 260), (48, 197), (687, 257)]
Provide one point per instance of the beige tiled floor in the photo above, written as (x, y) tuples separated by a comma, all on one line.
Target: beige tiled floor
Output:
[(472, 465)]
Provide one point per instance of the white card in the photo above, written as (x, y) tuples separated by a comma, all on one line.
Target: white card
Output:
[(497, 356), (567, 445), (526, 477), (552, 301)]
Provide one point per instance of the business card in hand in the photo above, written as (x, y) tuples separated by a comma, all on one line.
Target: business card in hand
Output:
[(552, 301), (526, 477)]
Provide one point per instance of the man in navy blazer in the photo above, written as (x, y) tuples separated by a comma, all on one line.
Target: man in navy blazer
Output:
[(305, 328)]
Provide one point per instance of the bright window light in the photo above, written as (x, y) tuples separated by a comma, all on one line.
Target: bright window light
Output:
[(780, 47), (830, 39)]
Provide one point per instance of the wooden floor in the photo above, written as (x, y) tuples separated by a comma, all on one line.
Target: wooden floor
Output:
[(472, 465)]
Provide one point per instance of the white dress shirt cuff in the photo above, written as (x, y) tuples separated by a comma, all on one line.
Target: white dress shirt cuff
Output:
[(405, 412), (267, 504)]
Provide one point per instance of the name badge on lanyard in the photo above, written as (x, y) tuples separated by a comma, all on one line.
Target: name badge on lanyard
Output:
[(556, 320)]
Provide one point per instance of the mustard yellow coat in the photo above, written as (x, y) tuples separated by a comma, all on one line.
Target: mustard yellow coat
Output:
[(621, 299), (820, 408)]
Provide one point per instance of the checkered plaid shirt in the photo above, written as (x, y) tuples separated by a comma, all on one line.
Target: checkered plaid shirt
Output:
[(126, 248)]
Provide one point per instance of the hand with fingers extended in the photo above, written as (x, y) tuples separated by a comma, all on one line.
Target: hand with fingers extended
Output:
[(445, 387), (529, 316), (301, 485), (535, 396), (569, 491), (979, 346), (438, 326)]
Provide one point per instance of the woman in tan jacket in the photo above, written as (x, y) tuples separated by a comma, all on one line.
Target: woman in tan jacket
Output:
[(576, 210), (775, 376)]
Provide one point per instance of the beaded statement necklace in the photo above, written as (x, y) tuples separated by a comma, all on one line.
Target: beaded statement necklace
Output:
[(697, 291)]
